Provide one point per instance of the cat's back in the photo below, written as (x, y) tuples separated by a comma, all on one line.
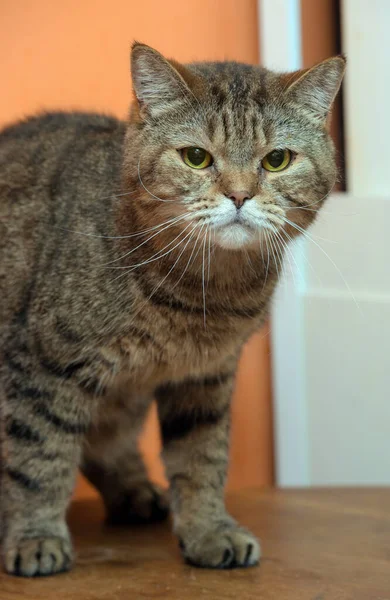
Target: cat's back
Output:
[(48, 163), (32, 148), (49, 132)]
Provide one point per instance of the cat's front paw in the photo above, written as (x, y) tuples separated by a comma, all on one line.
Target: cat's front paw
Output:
[(38, 557), (145, 503), (228, 548)]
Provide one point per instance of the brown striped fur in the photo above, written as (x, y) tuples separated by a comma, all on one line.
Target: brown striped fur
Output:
[(103, 307)]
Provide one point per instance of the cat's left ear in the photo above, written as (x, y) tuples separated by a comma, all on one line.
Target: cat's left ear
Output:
[(157, 82), (316, 88)]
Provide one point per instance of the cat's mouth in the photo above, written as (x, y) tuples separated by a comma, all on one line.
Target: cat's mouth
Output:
[(242, 220), (236, 233), (237, 219)]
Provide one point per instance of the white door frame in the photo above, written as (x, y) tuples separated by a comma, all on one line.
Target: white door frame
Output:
[(280, 50)]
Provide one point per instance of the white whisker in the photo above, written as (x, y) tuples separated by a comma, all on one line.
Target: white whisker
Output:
[(171, 224), (248, 259), (268, 260), (117, 195), (298, 228), (189, 260), (279, 251), (169, 272), (273, 255), (158, 254), (288, 253), (119, 237), (200, 245), (209, 259), (133, 267), (203, 280), (292, 241), (316, 201), (146, 189)]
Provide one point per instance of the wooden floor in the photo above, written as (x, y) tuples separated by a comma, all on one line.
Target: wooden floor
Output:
[(317, 545)]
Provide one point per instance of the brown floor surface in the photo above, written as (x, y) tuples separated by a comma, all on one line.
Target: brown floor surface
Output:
[(317, 545)]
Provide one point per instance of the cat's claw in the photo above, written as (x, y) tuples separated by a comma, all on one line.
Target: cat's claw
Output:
[(229, 549), (39, 556)]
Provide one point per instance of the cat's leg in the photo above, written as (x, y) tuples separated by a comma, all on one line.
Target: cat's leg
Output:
[(43, 422), (195, 426), (112, 463)]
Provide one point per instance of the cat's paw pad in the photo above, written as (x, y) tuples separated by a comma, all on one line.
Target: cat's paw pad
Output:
[(146, 503), (226, 549), (39, 556)]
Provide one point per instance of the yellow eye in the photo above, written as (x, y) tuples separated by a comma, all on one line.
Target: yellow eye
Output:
[(277, 160), (197, 158)]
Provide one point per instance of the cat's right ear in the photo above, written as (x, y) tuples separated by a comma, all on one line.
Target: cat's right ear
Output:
[(315, 89), (157, 84)]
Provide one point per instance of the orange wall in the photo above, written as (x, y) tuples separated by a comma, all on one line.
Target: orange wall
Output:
[(75, 54), (320, 39), (319, 30)]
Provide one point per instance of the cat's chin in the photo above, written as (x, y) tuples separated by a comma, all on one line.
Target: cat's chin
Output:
[(235, 236)]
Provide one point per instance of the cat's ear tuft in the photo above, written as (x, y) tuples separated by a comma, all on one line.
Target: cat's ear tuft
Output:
[(157, 84), (316, 88)]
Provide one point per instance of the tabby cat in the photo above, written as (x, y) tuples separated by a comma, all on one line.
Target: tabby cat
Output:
[(136, 260)]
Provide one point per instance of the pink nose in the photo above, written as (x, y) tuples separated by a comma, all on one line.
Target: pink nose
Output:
[(239, 197)]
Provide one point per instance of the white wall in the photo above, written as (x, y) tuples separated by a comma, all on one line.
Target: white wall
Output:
[(331, 345), (346, 341), (331, 321), (366, 42)]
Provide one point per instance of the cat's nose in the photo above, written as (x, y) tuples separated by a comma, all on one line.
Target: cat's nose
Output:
[(239, 197)]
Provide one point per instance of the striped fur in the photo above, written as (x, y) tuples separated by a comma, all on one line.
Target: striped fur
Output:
[(117, 287)]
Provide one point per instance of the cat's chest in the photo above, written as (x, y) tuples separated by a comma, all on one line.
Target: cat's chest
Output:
[(173, 349)]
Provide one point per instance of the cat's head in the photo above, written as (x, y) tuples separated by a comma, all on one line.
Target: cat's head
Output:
[(234, 149)]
